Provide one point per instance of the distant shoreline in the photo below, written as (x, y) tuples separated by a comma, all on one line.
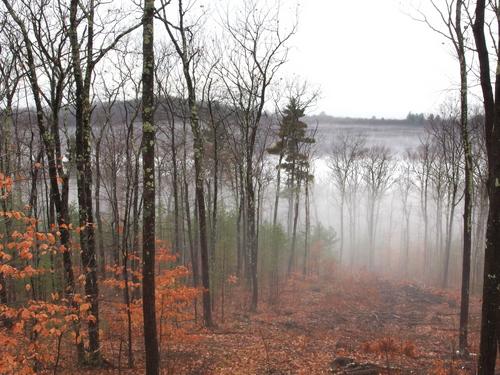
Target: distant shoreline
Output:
[(326, 119)]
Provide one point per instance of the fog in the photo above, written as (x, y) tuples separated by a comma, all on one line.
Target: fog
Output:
[(399, 244)]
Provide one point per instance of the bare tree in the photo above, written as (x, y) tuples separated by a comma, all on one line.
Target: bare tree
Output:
[(106, 99), (52, 44), (343, 155), (163, 74), (422, 164), (377, 175), (455, 31), (405, 185), (446, 134), (480, 175), (258, 49), (10, 78), (182, 37), (451, 15), (354, 186), (85, 55)]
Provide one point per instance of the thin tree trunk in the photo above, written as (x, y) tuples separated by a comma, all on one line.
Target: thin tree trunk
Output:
[(482, 217), (308, 228), (202, 218), (116, 214), (278, 187), (213, 236), (5, 168), (134, 264), (97, 198), (291, 261), (449, 232), (84, 172), (468, 189), (371, 230), (252, 230), (352, 224), (192, 253), (175, 188), (426, 230), (342, 200), (239, 242)]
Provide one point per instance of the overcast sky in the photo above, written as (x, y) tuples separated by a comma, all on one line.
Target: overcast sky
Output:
[(371, 59)]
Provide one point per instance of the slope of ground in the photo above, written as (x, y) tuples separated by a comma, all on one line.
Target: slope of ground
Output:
[(357, 324), (346, 325)]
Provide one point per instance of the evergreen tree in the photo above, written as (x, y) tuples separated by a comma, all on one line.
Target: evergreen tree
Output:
[(292, 149)]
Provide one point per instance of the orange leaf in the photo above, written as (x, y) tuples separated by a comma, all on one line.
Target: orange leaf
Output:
[(84, 307)]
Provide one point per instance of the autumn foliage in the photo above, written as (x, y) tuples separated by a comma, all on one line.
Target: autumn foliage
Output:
[(173, 303), (38, 329)]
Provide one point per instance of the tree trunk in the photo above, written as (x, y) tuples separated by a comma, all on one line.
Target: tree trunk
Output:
[(491, 287), (252, 233), (239, 243), (202, 217), (213, 232), (342, 200), (426, 228), (468, 189), (175, 188), (5, 168), (134, 264), (192, 253), (352, 224), (371, 230), (84, 173), (278, 187), (148, 214), (308, 229), (97, 198), (115, 234), (479, 239), (449, 232), (291, 261), (127, 300)]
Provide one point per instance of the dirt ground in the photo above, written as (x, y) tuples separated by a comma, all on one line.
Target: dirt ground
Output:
[(392, 328), (341, 325)]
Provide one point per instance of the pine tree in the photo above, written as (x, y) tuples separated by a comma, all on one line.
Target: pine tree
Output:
[(294, 161)]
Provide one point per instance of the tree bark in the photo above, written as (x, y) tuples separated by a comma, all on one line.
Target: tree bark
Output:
[(278, 187), (84, 171), (468, 189), (202, 217), (187, 210), (97, 199), (175, 188), (491, 287), (148, 214), (291, 261), (308, 228), (342, 200), (449, 233)]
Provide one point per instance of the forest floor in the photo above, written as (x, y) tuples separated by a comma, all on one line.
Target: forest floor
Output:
[(364, 325)]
